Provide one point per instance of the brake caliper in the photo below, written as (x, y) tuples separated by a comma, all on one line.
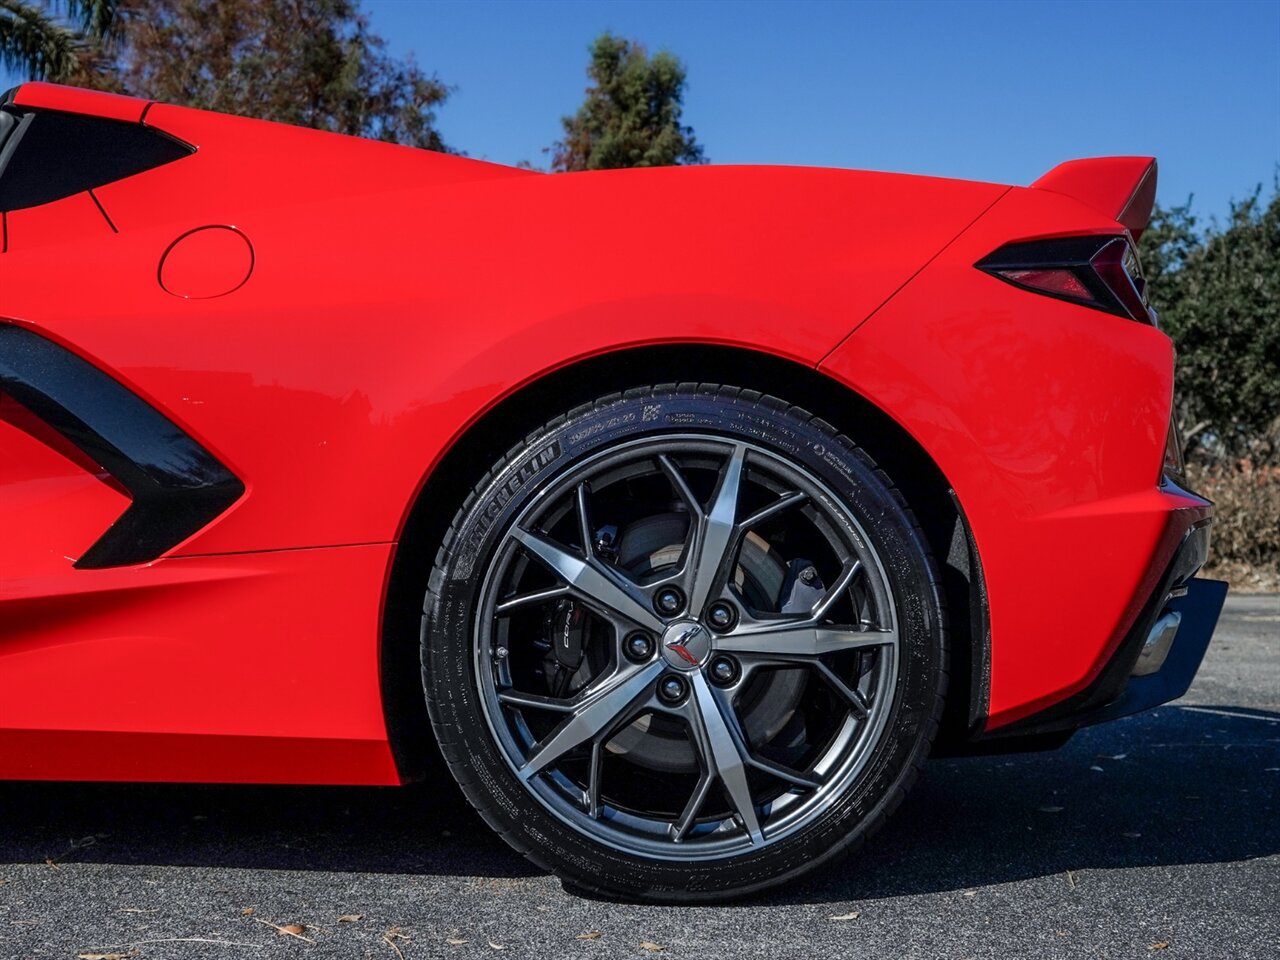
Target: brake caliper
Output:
[(566, 630), (802, 587)]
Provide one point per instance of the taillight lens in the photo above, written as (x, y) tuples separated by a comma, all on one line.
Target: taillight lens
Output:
[(1099, 271)]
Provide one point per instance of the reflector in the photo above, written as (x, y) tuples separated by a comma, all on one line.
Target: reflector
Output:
[(1060, 283)]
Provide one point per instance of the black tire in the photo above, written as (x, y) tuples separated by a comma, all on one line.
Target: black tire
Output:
[(449, 638)]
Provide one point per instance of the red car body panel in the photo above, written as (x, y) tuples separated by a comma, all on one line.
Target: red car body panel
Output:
[(50, 96), (328, 316), (1050, 423)]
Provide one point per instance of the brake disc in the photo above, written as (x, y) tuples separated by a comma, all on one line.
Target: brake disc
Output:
[(768, 703)]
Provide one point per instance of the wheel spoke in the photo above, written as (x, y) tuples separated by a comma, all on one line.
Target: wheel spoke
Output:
[(584, 522), (783, 503), (717, 736), (515, 698), (689, 816), (535, 596), (794, 777), (806, 639), (837, 590), (593, 778), (598, 712), (852, 696), (717, 533), (680, 485), (591, 581)]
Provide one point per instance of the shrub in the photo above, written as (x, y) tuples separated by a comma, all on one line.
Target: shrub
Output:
[(1245, 540)]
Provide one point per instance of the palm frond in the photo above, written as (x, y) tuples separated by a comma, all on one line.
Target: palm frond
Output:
[(37, 45), (96, 18)]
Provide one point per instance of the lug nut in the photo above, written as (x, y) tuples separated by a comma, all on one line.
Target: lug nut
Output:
[(724, 671), (722, 616), (638, 647), (673, 689), (668, 601)]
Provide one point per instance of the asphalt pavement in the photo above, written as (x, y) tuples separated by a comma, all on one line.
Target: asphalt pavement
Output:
[(1156, 836)]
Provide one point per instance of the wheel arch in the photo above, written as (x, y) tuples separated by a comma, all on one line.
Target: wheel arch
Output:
[(525, 409)]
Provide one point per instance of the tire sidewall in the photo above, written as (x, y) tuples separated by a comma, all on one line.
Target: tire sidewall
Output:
[(453, 603)]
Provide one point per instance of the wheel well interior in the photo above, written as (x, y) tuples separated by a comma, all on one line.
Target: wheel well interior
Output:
[(916, 476)]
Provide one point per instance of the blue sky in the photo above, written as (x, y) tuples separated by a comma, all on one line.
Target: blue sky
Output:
[(996, 91), (989, 91)]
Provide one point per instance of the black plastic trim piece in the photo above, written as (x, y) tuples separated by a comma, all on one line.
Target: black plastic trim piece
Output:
[(14, 127), (177, 486), (1002, 746), (1199, 609), (969, 682), (103, 210), (8, 124), (979, 631)]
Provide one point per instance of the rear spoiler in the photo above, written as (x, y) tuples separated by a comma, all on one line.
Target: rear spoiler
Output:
[(1123, 188), (90, 103)]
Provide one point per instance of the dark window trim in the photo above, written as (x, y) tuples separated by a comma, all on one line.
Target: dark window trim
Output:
[(130, 148)]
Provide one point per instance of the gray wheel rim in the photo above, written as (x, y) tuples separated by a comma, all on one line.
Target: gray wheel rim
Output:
[(742, 801)]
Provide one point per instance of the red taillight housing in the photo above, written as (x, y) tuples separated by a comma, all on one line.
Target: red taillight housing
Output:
[(1099, 271)]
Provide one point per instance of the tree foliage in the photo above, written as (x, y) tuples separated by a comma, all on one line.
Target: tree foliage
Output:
[(315, 63), (1218, 294), (59, 42), (631, 116)]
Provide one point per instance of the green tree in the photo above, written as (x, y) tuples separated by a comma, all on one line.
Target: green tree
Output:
[(631, 116), (60, 42), (314, 63), (1218, 294)]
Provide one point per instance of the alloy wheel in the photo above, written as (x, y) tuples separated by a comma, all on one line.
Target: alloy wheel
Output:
[(686, 647)]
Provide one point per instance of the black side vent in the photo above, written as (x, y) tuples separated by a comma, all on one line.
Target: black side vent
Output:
[(177, 485), (46, 155)]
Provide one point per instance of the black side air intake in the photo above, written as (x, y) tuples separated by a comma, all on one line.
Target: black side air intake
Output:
[(177, 486)]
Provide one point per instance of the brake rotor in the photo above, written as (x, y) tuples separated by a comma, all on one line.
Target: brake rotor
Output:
[(766, 705)]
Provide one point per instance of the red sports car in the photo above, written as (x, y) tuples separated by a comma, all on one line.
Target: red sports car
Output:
[(687, 511)]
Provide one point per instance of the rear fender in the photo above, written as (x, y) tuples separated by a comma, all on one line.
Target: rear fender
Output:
[(1049, 419)]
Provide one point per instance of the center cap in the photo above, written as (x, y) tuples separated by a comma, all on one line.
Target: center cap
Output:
[(686, 645)]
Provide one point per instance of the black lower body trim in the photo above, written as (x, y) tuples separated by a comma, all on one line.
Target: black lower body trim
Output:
[(1198, 609), (177, 486)]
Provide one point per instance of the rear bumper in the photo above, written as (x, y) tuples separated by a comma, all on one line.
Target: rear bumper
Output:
[(1197, 611), (1159, 654)]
